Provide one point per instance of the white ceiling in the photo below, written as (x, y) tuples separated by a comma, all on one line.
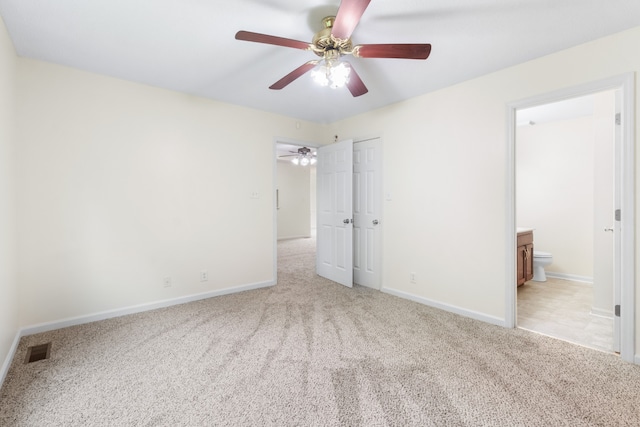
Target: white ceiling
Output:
[(189, 45)]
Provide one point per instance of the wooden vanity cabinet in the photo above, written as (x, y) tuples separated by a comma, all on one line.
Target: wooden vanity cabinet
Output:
[(525, 257)]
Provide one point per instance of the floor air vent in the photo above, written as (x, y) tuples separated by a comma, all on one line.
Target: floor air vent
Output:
[(38, 352)]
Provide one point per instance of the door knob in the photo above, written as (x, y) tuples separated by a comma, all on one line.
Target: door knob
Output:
[(609, 229), (346, 221), (375, 222)]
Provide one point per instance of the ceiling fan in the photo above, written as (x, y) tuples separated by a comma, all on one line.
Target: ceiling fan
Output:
[(333, 42), (303, 156)]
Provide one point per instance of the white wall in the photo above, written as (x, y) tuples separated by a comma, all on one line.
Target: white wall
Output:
[(294, 210), (121, 185), (313, 195), (445, 164), (555, 191), (8, 284)]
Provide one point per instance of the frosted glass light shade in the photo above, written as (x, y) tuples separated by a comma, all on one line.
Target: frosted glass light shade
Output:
[(334, 74)]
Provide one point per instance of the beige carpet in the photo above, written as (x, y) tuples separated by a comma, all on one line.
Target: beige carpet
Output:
[(308, 352)]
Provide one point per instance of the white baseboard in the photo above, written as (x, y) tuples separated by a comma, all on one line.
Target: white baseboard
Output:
[(446, 307), (572, 277), (7, 361), (306, 236), (607, 314), (79, 320), (44, 327)]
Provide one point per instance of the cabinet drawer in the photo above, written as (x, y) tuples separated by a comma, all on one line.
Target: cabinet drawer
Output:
[(525, 238)]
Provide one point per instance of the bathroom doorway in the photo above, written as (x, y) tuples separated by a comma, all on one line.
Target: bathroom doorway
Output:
[(565, 193), (569, 178)]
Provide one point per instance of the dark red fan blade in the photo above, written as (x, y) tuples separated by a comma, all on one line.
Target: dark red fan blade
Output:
[(293, 75), (264, 38), (401, 51), (355, 84), (347, 18)]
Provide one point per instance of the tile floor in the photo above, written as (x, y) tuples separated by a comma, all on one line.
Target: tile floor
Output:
[(561, 309)]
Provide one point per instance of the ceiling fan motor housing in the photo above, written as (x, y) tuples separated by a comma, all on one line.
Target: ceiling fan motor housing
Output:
[(328, 46)]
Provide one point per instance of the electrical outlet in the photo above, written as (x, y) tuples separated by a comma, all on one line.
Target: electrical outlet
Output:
[(166, 282), (412, 277), (204, 276)]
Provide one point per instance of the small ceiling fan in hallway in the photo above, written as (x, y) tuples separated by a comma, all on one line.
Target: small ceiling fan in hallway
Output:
[(303, 156), (333, 42)]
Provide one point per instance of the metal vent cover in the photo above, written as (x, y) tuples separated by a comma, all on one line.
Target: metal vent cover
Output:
[(38, 352)]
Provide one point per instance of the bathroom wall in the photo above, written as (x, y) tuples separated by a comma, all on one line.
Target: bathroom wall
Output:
[(555, 191)]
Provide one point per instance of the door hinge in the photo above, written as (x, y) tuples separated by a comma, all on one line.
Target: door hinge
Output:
[(618, 215), (617, 310), (618, 119)]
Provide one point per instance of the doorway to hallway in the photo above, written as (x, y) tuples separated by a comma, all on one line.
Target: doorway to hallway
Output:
[(363, 221)]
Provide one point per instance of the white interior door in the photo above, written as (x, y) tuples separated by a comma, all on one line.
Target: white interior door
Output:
[(367, 210), (606, 232), (617, 231), (334, 255)]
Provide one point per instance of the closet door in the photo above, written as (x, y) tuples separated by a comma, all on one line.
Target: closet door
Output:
[(334, 256), (367, 213)]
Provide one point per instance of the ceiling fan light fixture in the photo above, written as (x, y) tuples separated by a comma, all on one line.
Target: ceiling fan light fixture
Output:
[(334, 41), (303, 160), (319, 76), (339, 75), (304, 157), (331, 73)]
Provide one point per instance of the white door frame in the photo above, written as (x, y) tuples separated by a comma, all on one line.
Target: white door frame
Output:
[(626, 83)]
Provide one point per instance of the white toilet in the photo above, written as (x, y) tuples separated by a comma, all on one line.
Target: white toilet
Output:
[(540, 261)]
